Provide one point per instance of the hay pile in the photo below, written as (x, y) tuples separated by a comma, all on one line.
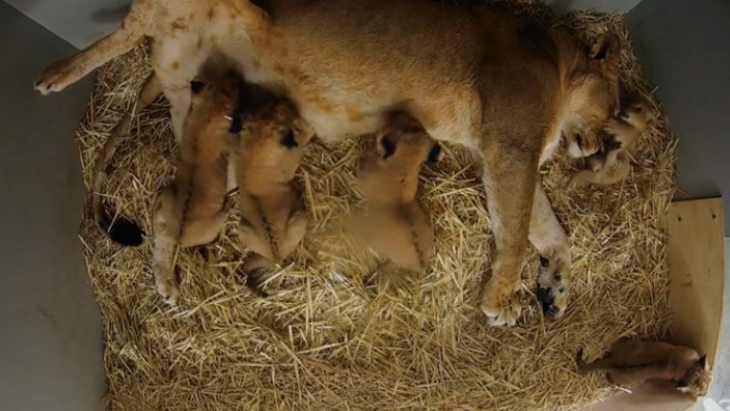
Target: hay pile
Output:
[(324, 342)]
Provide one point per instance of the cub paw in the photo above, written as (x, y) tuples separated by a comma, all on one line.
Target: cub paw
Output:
[(553, 285), (168, 291), (499, 306), (56, 77)]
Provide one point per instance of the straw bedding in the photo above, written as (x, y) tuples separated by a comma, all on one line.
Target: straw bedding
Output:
[(323, 341)]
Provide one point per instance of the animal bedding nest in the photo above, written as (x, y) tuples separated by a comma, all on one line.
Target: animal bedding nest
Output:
[(323, 340)]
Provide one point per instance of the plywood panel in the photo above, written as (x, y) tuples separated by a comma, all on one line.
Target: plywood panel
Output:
[(696, 267), (696, 264), (647, 397)]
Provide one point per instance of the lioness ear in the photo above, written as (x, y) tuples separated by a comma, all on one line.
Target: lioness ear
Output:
[(607, 50), (386, 146)]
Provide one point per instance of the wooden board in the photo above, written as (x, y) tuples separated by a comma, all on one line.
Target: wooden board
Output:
[(696, 268), (697, 265)]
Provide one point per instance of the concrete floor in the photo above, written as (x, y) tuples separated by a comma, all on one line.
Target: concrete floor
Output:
[(50, 328)]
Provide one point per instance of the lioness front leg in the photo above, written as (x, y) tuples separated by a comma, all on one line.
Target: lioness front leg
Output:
[(63, 73), (510, 175), (550, 240), (163, 252)]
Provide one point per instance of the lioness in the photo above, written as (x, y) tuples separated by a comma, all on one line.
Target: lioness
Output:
[(633, 361), (395, 223), (191, 210), (271, 148), (612, 162), (479, 76)]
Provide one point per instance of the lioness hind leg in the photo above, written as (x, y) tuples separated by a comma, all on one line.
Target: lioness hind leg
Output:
[(63, 73), (163, 253), (551, 241), (510, 175)]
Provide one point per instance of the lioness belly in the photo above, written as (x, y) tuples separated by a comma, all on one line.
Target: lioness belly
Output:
[(346, 61)]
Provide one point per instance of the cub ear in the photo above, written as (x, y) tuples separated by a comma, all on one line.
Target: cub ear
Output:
[(386, 146), (703, 362), (435, 154), (236, 124), (289, 140), (607, 50), (196, 86)]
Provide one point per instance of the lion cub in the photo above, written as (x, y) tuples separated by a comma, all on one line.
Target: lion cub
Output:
[(190, 211), (612, 162), (395, 223), (271, 147), (634, 361)]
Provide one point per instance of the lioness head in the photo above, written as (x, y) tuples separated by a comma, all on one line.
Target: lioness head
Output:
[(593, 97)]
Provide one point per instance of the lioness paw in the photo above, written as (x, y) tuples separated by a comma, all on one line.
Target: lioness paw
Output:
[(55, 78), (168, 291), (499, 305), (553, 284), (499, 317)]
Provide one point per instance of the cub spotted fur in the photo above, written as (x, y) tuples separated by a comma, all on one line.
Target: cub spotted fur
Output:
[(395, 223), (634, 361), (190, 211), (272, 141)]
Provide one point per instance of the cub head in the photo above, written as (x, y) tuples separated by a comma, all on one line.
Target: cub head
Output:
[(403, 141), (636, 112), (593, 97), (390, 170), (696, 379), (272, 130), (213, 103)]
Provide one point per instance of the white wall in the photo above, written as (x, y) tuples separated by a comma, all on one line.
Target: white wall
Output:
[(51, 342), (81, 22), (684, 47)]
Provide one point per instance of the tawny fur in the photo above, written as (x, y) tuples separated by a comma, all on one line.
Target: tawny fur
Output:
[(190, 212), (479, 76), (613, 162), (272, 141), (634, 361), (395, 223)]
